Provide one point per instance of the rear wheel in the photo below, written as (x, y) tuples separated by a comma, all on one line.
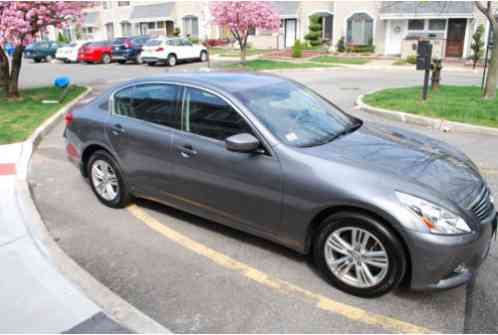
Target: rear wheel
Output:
[(107, 180), (139, 60), (359, 255), (172, 60), (106, 59), (204, 56), (48, 58)]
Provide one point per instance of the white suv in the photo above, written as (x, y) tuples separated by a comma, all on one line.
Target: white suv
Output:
[(172, 50)]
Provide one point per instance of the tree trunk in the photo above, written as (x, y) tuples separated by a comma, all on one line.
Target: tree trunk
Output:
[(490, 87), (243, 54), (4, 71), (13, 91)]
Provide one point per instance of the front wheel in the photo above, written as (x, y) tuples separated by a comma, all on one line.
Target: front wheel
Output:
[(359, 255), (107, 180), (204, 56), (172, 60), (106, 59)]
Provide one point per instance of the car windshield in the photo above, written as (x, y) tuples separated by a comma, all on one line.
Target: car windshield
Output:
[(153, 43), (296, 115), (118, 41)]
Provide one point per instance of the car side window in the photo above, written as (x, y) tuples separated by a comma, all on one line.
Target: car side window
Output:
[(208, 115), (157, 103), (185, 42), (123, 102)]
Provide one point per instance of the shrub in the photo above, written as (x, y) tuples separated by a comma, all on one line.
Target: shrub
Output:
[(315, 31), (61, 38), (361, 48), (341, 45), (477, 45), (412, 59), (193, 40), (297, 49), (176, 32)]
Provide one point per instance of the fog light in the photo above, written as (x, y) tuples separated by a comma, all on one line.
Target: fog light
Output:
[(461, 269)]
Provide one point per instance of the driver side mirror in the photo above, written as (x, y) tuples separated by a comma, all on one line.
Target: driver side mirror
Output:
[(242, 143)]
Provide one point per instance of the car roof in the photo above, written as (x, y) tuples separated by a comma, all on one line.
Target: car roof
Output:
[(226, 81)]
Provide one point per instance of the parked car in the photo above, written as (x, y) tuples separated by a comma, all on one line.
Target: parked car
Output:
[(375, 205), (96, 52), (126, 49), (172, 50), (41, 51), (69, 53)]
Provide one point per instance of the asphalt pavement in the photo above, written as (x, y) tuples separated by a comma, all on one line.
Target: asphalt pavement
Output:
[(192, 275)]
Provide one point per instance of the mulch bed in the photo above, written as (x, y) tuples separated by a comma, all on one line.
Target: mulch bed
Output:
[(287, 54)]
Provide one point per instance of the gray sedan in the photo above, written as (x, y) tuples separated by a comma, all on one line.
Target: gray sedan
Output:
[(376, 207)]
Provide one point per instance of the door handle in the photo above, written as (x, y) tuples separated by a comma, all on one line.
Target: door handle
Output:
[(118, 129), (186, 150)]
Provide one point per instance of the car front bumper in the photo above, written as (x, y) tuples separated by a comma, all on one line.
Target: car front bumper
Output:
[(440, 262)]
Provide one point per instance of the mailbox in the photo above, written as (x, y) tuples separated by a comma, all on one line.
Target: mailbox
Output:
[(424, 55)]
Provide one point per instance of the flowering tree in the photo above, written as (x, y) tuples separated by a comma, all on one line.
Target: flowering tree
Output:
[(243, 16), (21, 22)]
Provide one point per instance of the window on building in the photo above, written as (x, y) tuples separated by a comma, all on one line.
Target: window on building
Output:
[(107, 4), (109, 27), (123, 3), (360, 29), (416, 24), (208, 115), (437, 24), (191, 26), (160, 25), (126, 29), (151, 25)]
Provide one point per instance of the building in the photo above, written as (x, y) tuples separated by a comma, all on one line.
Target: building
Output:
[(392, 27)]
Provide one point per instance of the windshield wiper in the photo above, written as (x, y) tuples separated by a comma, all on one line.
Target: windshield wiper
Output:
[(349, 129)]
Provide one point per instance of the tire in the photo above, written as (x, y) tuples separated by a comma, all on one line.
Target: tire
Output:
[(204, 56), (106, 59), (99, 161), (172, 60), (48, 59), (151, 63), (121, 61), (36, 60), (138, 60), (389, 250)]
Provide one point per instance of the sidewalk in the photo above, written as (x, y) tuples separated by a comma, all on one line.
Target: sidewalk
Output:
[(34, 296)]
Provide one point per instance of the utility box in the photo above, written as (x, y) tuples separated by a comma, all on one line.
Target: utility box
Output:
[(424, 55)]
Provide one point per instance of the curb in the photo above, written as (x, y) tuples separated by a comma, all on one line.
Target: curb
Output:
[(113, 305), (424, 121)]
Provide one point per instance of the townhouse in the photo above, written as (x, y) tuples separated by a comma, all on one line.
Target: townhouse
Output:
[(393, 27)]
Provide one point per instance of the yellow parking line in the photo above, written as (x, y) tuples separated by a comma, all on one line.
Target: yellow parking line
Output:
[(322, 302)]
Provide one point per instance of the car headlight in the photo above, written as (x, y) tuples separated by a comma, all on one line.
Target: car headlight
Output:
[(437, 219)]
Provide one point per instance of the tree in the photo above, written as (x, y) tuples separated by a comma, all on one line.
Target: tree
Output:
[(490, 85), (315, 31), (20, 24), (477, 45), (241, 17)]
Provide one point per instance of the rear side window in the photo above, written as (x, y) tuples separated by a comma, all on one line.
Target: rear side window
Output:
[(208, 115), (153, 43), (155, 103)]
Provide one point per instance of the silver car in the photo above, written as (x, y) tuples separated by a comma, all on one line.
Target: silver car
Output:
[(375, 206)]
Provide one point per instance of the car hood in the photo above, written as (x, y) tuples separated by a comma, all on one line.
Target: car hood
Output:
[(429, 162)]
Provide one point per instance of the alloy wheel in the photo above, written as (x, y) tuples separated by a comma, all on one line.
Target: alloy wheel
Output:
[(105, 180), (356, 257)]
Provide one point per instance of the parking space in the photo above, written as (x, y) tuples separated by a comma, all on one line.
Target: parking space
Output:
[(193, 275)]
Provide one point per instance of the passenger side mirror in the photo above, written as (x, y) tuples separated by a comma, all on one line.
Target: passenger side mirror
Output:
[(242, 143)]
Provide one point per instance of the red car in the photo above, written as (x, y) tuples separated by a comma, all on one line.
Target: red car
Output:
[(96, 52)]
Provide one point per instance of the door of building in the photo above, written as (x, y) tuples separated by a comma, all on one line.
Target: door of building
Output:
[(456, 37)]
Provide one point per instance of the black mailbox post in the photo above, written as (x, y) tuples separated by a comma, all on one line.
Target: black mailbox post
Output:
[(424, 59)]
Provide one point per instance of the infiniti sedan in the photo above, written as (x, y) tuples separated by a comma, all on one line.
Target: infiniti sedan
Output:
[(375, 206)]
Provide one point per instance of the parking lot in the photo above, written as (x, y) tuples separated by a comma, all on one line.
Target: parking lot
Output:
[(192, 275)]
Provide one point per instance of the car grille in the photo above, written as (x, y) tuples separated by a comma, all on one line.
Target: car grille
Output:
[(483, 207)]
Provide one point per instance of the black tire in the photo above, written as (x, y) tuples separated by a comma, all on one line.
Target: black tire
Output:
[(172, 60), (123, 196), (121, 61), (392, 245), (204, 57), (151, 63), (36, 60)]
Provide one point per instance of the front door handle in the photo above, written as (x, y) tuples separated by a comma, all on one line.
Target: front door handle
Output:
[(186, 151), (118, 129)]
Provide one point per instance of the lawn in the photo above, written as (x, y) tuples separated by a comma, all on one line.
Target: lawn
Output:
[(454, 103), (18, 119), (261, 64), (224, 52), (340, 60)]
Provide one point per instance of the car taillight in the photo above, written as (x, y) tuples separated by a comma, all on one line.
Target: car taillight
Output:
[(127, 45), (68, 119), (160, 49)]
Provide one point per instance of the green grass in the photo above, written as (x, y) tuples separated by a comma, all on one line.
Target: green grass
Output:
[(340, 60), (18, 119), (261, 64), (224, 52), (400, 62), (454, 103)]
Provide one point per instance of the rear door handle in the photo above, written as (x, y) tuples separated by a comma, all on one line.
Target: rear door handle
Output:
[(118, 129), (186, 150)]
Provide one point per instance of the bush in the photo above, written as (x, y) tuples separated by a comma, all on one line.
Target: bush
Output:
[(61, 38), (412, 59), (315, 31), (176, 32), (341, 45), (361, 48), (297, 49), (193, 40)]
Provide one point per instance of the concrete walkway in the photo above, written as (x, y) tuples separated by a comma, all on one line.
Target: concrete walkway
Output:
[(34, 296)]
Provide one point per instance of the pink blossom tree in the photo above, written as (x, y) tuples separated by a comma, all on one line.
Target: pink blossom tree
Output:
[(21, 22), (243, 16)]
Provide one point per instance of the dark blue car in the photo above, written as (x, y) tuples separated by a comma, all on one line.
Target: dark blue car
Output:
[(126, 49)]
